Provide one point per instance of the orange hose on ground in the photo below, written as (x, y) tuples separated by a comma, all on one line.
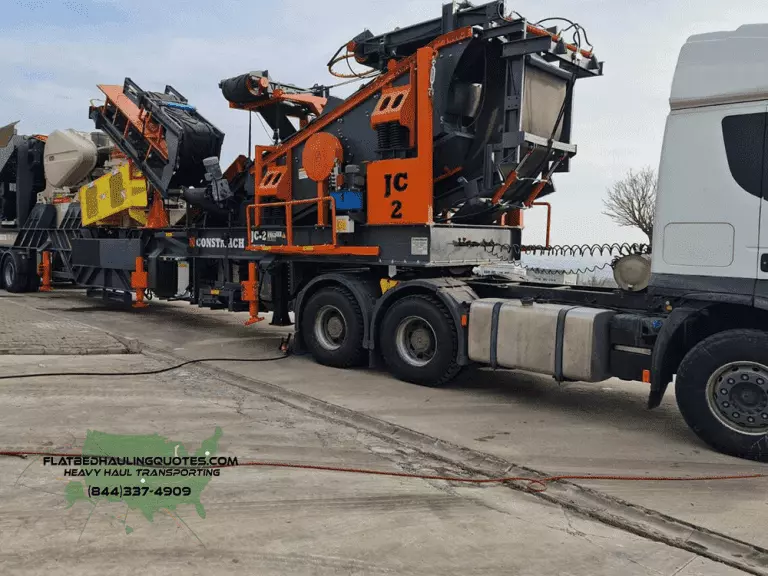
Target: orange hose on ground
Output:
[(540, 483)]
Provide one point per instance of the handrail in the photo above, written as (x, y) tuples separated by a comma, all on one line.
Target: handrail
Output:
[(290, 247)]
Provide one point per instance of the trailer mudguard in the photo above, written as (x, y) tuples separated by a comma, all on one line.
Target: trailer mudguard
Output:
[(361, 287)]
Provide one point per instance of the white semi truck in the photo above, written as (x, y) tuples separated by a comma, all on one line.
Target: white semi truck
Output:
[(709, 263)]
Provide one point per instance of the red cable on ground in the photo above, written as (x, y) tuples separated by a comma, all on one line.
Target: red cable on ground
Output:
[(531, 481)]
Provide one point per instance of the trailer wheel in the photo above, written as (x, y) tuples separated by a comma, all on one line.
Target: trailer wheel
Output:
[(332, 325), (419, 341), (13, 279), (722, 392)]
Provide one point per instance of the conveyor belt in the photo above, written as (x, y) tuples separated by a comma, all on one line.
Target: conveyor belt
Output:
[(160, 132)]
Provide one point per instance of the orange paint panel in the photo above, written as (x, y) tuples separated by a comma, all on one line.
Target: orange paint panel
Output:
[(274, 183), (514, 218), (315, 104), (399, 192), (396, 104), (320, 249), (157, 218), (452, 37), (321, 153), (237, 167)]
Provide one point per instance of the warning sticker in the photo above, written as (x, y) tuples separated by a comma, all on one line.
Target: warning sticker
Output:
[(302, 174), (419, 246)]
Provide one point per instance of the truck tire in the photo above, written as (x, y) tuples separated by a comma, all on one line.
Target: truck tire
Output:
[(419, 341), (333, 328), (722, 392), (14, 279)]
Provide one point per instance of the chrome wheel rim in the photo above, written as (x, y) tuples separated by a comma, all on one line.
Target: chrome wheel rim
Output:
[(737, 395), (8, 273), (416, 341), (330, 327)]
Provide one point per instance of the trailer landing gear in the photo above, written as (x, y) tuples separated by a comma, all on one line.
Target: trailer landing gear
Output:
[(250, 294), (139, 282)]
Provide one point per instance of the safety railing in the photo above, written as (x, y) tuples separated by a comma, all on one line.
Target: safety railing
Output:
[(289, 247)]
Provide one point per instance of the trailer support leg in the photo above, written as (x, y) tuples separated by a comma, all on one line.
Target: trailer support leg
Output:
[(139, 282), (45, 272), (250, 294)]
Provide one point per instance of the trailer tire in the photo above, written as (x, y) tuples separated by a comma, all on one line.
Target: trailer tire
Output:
[(722, 392), (333, 328), (419, 341), (13, 278)]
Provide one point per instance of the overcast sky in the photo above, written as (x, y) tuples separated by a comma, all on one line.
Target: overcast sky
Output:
[(54, 52)]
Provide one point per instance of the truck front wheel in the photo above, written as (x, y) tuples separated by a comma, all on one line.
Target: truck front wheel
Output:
[(333, 328), (722, 392), (419, 341)]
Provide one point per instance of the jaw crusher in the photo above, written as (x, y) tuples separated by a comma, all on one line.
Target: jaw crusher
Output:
[(464, 121)]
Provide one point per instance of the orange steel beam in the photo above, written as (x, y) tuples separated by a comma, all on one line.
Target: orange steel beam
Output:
[(545, 179), (508, 183), (364, 93), (536, 191), (250, 294), (237, 167), (45, 268), (448, 174), (139, 282), (425, 59), (549, 217), (258, 173), (136, 117), (316, 104), (510, 180)]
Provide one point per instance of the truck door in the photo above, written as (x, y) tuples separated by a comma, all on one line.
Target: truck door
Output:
[(706, 233), (761, 288)]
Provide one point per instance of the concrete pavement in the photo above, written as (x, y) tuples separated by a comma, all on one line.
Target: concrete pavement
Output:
[(523, 419), (271, 521), (24, 330)]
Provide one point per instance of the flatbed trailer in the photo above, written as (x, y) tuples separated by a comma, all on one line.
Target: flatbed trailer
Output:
[(369, 220)]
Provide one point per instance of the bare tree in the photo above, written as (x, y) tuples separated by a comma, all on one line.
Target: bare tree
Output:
[(631, 200)]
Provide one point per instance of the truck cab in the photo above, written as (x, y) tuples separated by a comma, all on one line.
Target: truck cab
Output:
[(710, 241), (711, 230)]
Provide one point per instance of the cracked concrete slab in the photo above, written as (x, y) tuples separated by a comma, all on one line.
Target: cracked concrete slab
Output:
[(577, 428), (27, 330), (276, 521)]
